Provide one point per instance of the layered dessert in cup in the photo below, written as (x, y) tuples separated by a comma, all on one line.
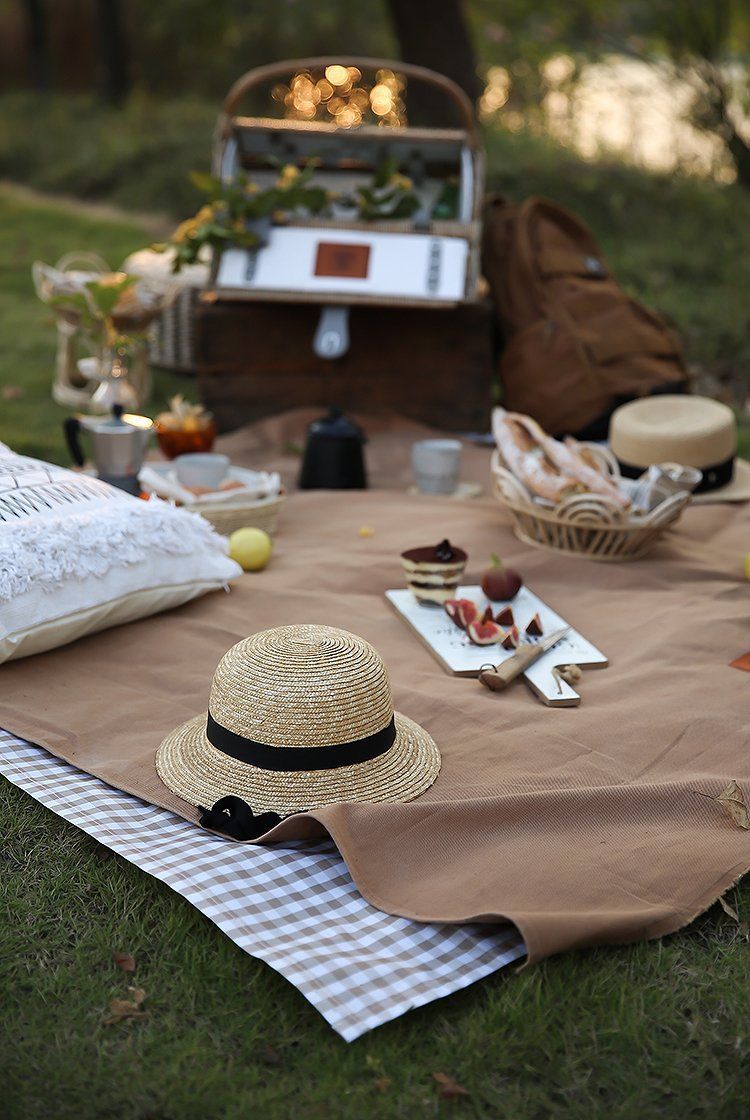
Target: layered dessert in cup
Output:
[(434, 572)]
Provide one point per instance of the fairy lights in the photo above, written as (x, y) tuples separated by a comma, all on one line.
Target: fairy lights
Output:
[(340, 95)]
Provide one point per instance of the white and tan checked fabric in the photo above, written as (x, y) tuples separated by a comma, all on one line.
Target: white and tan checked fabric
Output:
[(294, 907)]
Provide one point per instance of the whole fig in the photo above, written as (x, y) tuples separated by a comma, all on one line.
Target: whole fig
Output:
[(500, 583)]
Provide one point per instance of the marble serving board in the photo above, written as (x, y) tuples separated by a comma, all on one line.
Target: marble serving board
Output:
[(456, 653)]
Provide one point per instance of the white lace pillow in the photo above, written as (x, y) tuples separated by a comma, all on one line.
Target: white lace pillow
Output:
[(77, 556)]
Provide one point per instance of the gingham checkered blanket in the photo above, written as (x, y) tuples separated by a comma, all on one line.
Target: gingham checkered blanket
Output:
[(295, 907)]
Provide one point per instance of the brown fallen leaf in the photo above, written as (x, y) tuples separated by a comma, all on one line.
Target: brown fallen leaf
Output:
[(124, 961), (382, 1084), (270, 1055), (732, 800), (11, 392), (730, 910), (448, 1089), (121, 1009)]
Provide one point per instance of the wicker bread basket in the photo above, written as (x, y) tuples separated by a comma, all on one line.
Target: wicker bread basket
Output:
[(585, 524), (226, 517)]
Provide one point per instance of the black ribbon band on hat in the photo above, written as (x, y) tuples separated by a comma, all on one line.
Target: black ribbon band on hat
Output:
[(282, 759), (720, 474), (233, 817)]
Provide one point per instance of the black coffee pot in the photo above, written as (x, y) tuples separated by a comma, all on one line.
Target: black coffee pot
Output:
[(334, 457)]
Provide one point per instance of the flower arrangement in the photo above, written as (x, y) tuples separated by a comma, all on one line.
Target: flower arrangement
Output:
[(107, 310), (233, 211)]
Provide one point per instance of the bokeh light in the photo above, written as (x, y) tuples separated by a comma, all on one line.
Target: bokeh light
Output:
[(339, 95)]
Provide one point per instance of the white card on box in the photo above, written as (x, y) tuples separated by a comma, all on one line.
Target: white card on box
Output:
[(409, 265), (459, 655)]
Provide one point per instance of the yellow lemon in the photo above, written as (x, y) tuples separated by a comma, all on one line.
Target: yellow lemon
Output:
[(251, 548), (747, 566)]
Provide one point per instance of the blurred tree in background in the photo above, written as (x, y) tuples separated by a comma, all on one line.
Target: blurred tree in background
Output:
[(177, 48)]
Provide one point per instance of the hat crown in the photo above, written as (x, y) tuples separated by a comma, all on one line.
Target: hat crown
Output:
[(298, 686)]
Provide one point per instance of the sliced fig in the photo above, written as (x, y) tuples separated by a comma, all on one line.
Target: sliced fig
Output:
[(510, 641), (461, 611), (504, 617), (488, 616), (535, 628), (484, 633), (467, 613), (451, 608)]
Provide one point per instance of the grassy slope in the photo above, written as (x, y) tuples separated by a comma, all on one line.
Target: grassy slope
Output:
[(31, 231), (653, 1029)]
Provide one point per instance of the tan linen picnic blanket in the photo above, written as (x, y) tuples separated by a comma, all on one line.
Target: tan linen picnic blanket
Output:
[(585, 825)]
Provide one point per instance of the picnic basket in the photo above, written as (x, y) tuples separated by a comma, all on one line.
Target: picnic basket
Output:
[(263, 513), (587, 525), (444, 251)]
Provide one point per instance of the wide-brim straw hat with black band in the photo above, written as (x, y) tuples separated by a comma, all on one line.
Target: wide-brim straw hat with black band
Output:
[(690, 430), (299, 717)]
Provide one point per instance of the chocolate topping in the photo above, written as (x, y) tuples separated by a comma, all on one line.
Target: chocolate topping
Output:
[(443, 553)]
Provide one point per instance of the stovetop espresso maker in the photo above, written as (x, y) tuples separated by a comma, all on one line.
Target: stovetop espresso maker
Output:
[(118, 444)]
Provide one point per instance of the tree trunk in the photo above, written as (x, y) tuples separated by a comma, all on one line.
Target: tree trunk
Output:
[(115, 71), (36, 31), (740, 152), (434, 33)]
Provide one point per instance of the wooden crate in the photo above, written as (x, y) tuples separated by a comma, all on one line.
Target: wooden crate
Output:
[(436, 366)]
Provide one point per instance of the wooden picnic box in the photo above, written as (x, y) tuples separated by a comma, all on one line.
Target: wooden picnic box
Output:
[(333, 310)]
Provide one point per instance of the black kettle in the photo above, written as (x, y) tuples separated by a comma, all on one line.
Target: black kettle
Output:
[(334, 457)]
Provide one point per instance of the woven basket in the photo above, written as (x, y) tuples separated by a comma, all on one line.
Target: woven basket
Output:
[(585, 524), (225, 518)]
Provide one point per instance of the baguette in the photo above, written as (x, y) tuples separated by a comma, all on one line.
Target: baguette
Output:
[(567, 459), (527, 460)]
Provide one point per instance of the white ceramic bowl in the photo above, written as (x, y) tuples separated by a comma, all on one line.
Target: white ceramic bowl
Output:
[(202, 469)]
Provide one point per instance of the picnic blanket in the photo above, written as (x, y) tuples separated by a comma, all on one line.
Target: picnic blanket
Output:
[(295, 907), (587, 825)]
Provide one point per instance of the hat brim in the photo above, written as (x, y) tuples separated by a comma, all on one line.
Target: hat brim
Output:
[(738, 490), (199, 773)]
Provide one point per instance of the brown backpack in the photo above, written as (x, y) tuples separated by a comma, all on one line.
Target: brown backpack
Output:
[(576, 346)]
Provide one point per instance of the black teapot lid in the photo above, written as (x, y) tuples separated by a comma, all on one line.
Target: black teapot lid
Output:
[(335, 425)]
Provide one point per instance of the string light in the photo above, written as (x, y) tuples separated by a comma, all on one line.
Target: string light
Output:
[(341, 95)]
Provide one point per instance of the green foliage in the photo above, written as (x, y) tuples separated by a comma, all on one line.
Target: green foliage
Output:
[(232, 212), (390, 196), (93, 309)]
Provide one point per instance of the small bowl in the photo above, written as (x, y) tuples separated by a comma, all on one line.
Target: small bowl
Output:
[(202, 469)]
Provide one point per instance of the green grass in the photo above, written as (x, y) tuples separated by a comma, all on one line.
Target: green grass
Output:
[(654, 1030), (32, 422), (658, 1029)]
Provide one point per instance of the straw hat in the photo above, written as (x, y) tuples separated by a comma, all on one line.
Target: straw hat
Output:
[(299, 717), (692, 431)]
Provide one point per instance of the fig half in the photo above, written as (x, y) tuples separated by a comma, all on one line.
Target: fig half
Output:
[(535, 628), (510, 641), (484, 633), (461, 611)]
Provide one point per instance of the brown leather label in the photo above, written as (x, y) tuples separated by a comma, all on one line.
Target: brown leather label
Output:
[(336, 259)]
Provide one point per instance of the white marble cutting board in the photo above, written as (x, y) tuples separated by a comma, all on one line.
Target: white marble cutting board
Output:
[(459, 655)]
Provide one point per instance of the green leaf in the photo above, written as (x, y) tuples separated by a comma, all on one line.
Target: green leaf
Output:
[(205, 182)]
